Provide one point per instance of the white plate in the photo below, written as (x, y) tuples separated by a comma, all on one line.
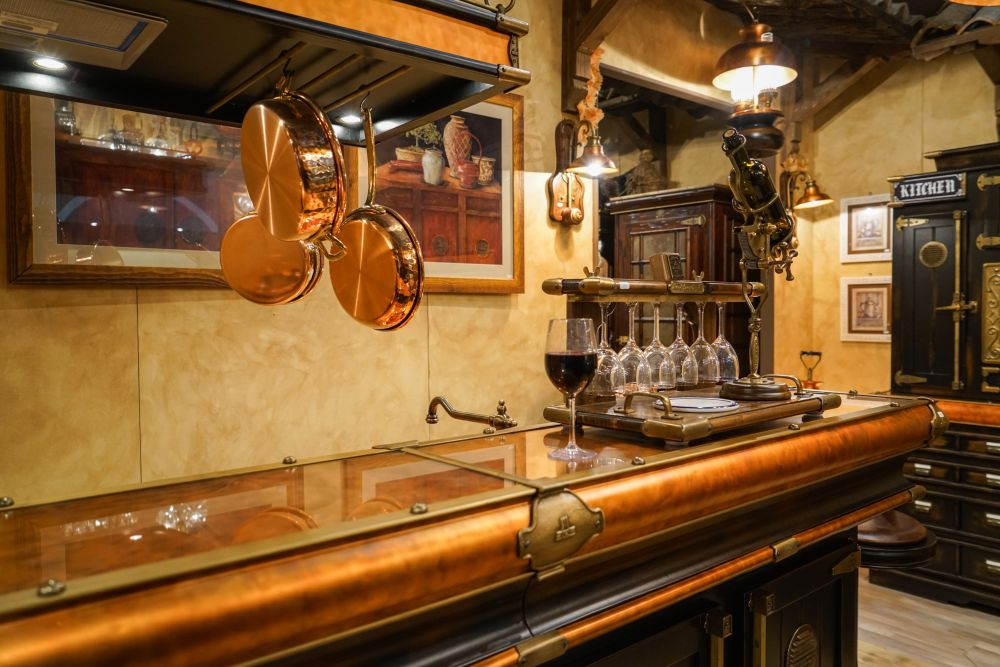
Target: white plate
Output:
[(701, 404)]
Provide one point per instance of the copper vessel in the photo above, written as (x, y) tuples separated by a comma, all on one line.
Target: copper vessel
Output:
[(293, 166), (380, 280)]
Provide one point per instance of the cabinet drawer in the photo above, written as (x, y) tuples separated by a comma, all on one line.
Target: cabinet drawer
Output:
[(981, 519), (930, 470), (981, 564), (990, 480), (981, 446), (935, 511), (945, 558)]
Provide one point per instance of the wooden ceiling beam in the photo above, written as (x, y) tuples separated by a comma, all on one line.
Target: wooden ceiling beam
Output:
[(599, 21), (584, 26), (831, 97), (883, 18)]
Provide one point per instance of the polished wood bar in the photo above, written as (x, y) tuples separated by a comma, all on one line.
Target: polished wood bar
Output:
[(440, 551)]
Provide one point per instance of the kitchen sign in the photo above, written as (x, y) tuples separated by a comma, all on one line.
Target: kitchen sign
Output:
[(938, 187)]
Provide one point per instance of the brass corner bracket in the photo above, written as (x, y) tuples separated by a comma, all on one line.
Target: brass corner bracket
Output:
[(561, 523)]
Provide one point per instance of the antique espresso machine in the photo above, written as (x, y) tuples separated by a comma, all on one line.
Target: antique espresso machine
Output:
[(767, 242)]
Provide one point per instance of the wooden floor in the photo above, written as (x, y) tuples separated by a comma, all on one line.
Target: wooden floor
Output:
[(900, 630)]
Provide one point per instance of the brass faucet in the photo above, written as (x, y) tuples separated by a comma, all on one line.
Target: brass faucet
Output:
[(493, 422)]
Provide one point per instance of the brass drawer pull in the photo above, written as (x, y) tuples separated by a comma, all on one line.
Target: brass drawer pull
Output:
[(993, 519), (924, 506), (925, 469), (993, 566), (992, 447), (992, 480)]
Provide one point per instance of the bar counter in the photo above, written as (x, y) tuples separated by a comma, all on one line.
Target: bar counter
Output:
[(470, 550)]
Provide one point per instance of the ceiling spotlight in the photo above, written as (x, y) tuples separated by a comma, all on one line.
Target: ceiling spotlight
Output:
[(51, 64), (351, 119)]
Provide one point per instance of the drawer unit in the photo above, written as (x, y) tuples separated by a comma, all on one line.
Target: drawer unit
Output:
[(988, 480), (987, 446), (981, 564), (932, 470), (981, 519), (934, 511)]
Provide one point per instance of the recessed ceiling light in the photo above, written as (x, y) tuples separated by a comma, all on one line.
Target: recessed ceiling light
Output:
[(51, 64), (351, 119)]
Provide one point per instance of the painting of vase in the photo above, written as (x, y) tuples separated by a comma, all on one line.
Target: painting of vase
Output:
[(457, 144)]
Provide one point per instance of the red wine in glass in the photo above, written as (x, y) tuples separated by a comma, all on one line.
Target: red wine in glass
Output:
[(570, 362), (570, 372)]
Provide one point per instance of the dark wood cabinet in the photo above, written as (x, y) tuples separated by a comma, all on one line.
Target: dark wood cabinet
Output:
[(698, 224)]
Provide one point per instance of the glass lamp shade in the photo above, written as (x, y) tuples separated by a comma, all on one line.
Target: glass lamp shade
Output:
[(593, 163), (812, 197), (752, 66)]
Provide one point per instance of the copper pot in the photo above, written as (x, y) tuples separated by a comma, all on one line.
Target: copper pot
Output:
[(293, 166), (379, 281)]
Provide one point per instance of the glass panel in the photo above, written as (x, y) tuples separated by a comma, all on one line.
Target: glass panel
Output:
[(636, 246), (660, 242), (646, 271), (637, 269), (73, 539)]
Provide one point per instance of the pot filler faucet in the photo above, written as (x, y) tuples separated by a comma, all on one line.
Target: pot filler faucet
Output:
[(493, 422)]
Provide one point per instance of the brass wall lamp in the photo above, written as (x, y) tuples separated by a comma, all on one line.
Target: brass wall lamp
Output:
[(795, 170), (564, 187)]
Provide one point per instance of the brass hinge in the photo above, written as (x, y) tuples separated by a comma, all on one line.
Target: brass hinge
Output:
[(939, 423), (984, 242), (561, 523), (903, 223), (902, 378), (718, 626), (539, 650), (785, 548), (985, 181), (696, 221), (850, 563)]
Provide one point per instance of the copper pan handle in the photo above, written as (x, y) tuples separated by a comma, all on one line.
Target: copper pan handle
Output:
[(366, 113)]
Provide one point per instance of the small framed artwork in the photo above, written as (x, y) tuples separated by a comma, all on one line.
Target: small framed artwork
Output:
[(457, 182), (866, 309), (865, 232)]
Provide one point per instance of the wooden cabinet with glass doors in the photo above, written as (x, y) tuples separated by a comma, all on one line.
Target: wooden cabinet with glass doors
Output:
[(698, 224)]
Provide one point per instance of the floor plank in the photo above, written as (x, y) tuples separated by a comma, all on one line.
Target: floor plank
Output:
[(901, 630)]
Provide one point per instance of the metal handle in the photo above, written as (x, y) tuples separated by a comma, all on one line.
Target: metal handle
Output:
[(993, 519), (992, 447), (992, 480), (992, 566), (798, 383), (668, 411), (922, 469), (923, 506)]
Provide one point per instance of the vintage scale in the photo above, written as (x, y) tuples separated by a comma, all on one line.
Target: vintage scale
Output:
[(767, 242)]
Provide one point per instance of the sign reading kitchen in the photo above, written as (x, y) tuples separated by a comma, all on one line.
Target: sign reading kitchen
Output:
[(938, 187)]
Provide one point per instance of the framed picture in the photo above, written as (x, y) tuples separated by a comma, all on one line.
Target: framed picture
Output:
[(866, 309), (865, 232), (458, 182), (106, 195)]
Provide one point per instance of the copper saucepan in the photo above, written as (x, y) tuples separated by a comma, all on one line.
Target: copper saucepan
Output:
[(293, 166), (380, 280), (267, 270)]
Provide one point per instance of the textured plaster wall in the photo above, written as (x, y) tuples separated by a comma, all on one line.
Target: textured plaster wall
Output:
[(945, 103), (104, 387)]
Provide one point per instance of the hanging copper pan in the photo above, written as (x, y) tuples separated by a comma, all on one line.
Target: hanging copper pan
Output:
[(293, 167), (379, 281), (267, 270)]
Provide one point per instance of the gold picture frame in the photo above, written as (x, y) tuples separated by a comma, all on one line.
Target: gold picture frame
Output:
[(866, 309)]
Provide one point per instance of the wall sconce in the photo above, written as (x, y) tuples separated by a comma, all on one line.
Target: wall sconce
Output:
[(564, 188), (795, 169), (752, 71)]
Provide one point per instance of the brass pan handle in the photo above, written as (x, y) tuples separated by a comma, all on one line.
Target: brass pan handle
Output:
[(798, 383), (668, 411)]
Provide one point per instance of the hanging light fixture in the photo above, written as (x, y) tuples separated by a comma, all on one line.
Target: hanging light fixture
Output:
[(592, 163), (812, 197), (752, 71), (795, 169)]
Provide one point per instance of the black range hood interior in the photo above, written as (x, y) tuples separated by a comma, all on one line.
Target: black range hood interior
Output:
[(214, 58)]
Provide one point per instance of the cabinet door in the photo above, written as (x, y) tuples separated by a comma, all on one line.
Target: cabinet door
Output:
[(928, 278)]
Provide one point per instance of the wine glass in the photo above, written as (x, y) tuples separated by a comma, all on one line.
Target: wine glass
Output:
[(704, 354), (656, 354), (638, 374), (729, 363), (570, 361), (685, 365), (609, 378)]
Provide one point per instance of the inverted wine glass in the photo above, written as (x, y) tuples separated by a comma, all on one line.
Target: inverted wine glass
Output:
[(729, 362), (656, 354), (685, 365), (609, 378), (638, 374), (704, 354), (570, 362)]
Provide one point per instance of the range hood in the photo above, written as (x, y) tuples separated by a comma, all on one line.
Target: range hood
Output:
[(211, 59)]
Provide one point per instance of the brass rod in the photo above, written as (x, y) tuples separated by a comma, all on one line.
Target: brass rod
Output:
[(336, 69), (367, 88), (959, 314), (282, 58)]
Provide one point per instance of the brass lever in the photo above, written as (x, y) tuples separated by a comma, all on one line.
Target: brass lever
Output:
[(668, 411), (493, 422)]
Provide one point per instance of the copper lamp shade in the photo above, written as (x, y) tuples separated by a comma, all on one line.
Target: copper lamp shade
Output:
[(812, 197), (593, 163), (753, 65)]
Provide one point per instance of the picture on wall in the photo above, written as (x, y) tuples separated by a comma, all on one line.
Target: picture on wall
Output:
[(865, 230), (456, 181), (866, 309)]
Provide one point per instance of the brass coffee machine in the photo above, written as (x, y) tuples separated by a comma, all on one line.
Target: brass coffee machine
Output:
[(767, 242)]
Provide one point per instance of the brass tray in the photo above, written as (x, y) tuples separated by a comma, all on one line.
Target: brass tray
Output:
[(646, 415)]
